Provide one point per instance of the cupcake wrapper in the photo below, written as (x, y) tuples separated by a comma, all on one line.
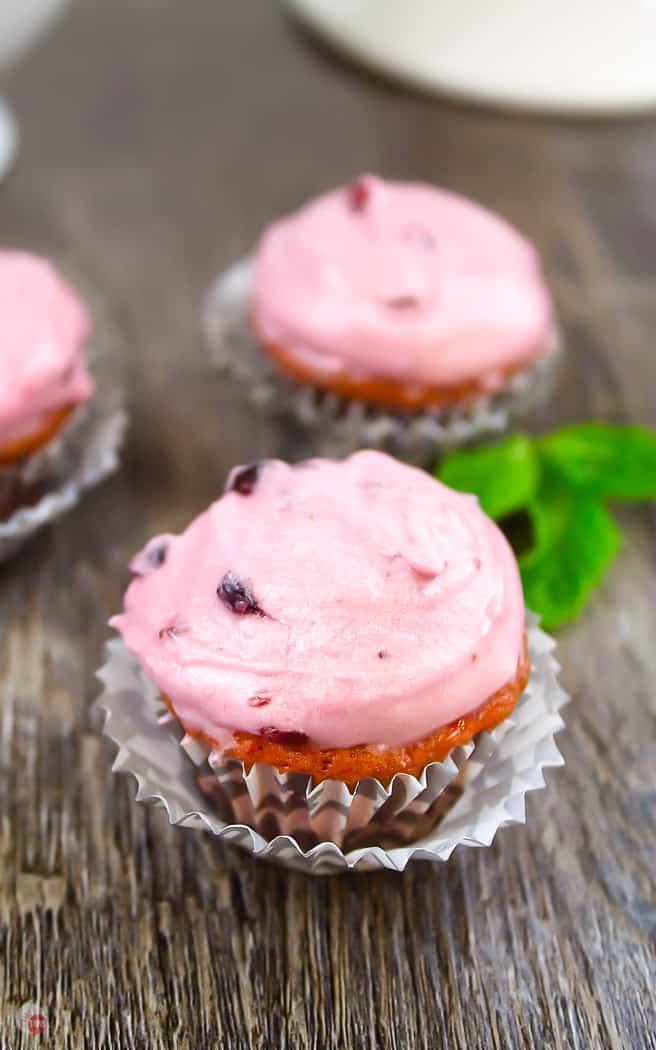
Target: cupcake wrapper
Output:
[(341, 425), (274, 803), (81, 456), (283, 818), (43, 463)]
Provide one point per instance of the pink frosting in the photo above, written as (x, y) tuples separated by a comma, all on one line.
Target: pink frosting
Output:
[(401, 281), (43, 328), (385, 606)]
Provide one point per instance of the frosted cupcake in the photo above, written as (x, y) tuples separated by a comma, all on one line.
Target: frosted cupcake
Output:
[(400, 295), (340, 624), (53, 445), (43, 376), (388, 315)]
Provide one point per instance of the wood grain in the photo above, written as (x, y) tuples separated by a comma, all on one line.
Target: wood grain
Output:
[(158, 137)]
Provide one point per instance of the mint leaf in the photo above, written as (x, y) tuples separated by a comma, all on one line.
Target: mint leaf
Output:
[(504, 477), (549, 512), (606, 461), (556, 487), (558, 582)]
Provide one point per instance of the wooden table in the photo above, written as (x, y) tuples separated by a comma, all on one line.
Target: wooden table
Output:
[(158, 138)]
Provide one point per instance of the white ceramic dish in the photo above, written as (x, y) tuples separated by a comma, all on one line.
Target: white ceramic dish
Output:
[(20, 22), (584, 58)]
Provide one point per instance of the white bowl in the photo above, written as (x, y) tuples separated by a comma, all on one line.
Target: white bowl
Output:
[(568, 56), (20, 22)]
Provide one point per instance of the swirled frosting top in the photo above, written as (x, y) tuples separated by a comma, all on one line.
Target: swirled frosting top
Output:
[(401, 281), (356, 602), (42, 332)]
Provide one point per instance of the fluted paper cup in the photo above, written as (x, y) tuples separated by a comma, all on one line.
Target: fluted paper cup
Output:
[(84, 458), (326, 828), (340, 425)]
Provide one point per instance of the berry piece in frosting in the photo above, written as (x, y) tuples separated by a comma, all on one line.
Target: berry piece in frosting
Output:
[(259, 701), (158, 555), (359, 193), (403, 302), (234, 593), (243, 479), (172, 630), (288, 737), (152, 557)]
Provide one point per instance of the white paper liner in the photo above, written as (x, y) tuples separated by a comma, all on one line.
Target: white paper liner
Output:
[(84, 454), (500, 769), (341, 425)]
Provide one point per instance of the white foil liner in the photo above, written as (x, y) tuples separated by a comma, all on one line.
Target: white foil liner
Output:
[(497, 771), (82, 455), (341, 425)]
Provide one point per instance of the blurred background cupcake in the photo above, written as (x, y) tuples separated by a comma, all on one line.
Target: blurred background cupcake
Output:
[(61, 423), (394, 314), (21, 21), (44, 379)]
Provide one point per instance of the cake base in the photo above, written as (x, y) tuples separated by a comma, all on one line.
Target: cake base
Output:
[(14, 451), (391, 393), (352, 764)]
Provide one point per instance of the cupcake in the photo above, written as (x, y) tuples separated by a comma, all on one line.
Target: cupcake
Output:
[(330, 634), (43, 376), (400, 295), (388, 315)]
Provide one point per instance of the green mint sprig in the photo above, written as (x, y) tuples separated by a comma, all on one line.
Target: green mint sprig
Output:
[(558, 486)]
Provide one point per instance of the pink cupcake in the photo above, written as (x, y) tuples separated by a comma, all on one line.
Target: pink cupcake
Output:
[(389, 310), (58, 434), (400, 295), (332, 632), (43, 375)]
